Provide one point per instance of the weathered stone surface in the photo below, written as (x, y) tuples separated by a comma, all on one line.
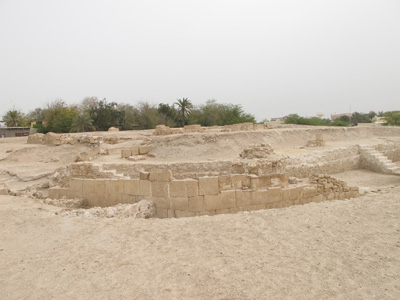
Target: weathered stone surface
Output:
[(177, 188), (132, 187), (196, 203), (208, 186), (224, 200), (159, 189), (163, 176), (145, 149), (243, 198), (180, 203), (125, 153)]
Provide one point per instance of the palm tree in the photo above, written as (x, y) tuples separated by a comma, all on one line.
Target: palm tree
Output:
[(185, 107), (14, 118), (81, 123)]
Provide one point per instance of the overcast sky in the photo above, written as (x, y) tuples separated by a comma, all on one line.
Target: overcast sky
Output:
[(274, 57)]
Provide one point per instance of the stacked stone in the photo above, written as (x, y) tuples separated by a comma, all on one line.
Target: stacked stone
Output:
[(332, 188), (162, 130), (257, 151)]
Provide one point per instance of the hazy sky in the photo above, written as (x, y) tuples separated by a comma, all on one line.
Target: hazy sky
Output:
[(274, 57)]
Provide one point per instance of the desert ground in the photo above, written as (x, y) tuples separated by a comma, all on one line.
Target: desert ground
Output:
[(338, 249)]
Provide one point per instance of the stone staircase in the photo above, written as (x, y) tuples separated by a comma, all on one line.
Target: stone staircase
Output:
[(376, 161)]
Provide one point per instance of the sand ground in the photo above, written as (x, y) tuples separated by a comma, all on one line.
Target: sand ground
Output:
[(346, 249), (332, 250)]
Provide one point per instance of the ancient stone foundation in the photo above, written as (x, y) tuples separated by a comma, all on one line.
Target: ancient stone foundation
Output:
[(203, 196)]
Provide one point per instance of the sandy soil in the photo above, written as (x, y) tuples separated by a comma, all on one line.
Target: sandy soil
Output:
[(332, 250)]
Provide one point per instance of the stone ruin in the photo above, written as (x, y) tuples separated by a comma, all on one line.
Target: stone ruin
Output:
[(318, 142), (258, 179), (257, 151), (257, 182)]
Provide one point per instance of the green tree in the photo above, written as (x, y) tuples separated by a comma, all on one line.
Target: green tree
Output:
[(185, 107), (14, 118), (344, 119), (214, 113), (82, 123), (60, 118), (360, 118), (392, 118), (168, 114), (106, 115)]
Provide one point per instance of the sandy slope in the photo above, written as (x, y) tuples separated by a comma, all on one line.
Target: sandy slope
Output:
[(332, 250)]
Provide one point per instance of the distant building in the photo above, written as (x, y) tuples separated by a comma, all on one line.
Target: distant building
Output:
[(379, 120), (279, 120), (335, 117), (6, 132)]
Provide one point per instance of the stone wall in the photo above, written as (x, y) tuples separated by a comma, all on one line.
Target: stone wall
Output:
[(324, 162), (195, 197), (391, 151)]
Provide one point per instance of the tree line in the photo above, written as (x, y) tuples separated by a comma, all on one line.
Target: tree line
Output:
[(392, 118), (92, 114)]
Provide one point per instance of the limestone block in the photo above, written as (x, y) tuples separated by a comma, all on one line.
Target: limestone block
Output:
[(274, 195), (135, 150), (136, 158), (125, 153), (270, 205), (222, 211), (259, 197), (97, 200), (243, 198), (161, 213), (144, 188), (276, 180), (318, 198), (264, 181), (224, 182), (114, 199), (162, 202), (144, 175), (177, 188), (184, 214), (208, 186), (64, 192), (145, 149), (196, 203), (88, 187), (254, 183), (224, 200), (258, 206), (309, 191), (234, 210), (192, 187), (246, 208), (296, 193), (180, 203), (100, 186), (115, 151), (128, 199), (171, 213), (159, 189), (114, 187), (163, 176), (53, 193), (240, 181), (285, 194), (206, 213), (76, 187), (132, 187), (113, 129)]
